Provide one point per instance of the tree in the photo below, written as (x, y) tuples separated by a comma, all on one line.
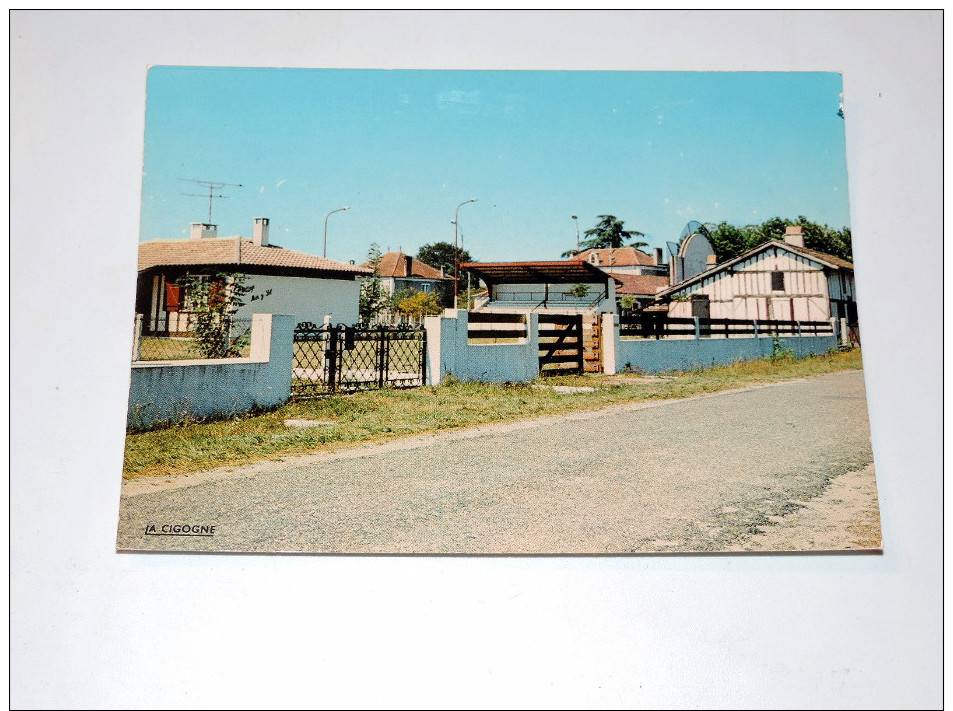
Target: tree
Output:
[(730, 241), (373, 298), (420, 304), (213, 300), (441, 255), (609, 233)]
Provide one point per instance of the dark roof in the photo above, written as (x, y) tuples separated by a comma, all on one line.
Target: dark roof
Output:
[(563, 272), (640, 284), (395, 264), (828, 260), (239, 253)]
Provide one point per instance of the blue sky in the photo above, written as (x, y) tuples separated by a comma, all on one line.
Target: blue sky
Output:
[(404, 148)]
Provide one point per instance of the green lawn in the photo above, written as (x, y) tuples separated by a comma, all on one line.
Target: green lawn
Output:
[(387, 414)]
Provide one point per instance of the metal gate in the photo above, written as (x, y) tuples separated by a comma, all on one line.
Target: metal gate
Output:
[(560, 344), (340, 358)]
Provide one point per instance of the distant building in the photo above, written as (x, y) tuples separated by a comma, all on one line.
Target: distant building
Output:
[(398, 271), (624, 260), (309, 287), (694, 255)]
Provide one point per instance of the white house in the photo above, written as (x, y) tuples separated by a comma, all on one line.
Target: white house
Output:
[(781, 281), (306, 286)]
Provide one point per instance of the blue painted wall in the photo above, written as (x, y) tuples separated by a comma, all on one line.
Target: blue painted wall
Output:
[(658, 356), (172, 391), (449, 353)]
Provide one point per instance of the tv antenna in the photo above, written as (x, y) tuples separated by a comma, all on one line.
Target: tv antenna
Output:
[(212, 187)]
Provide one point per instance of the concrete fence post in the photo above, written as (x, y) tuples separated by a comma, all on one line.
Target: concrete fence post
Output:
[(757, 333), (137, 339), (532, 338), (610, 335), (844, 333), (698, 328), (433, 325)]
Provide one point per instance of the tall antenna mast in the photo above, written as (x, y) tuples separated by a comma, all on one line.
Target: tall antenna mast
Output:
[(212, 187)]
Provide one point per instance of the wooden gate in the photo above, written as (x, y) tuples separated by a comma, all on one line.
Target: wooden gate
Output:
[(560, 344)]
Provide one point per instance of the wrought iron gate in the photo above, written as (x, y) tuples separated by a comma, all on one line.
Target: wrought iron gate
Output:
[(342, 358), (560, 344)]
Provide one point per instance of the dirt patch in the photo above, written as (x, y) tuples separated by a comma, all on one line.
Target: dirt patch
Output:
[(844, 517)]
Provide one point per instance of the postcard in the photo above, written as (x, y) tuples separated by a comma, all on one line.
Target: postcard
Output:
[(495, 312)]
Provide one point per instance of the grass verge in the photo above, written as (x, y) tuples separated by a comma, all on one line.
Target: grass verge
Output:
[(387, 414)]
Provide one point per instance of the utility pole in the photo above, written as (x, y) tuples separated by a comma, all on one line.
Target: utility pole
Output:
[(456, 250)]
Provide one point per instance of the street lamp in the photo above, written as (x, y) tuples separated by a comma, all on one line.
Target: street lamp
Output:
[(324, 253), (576, 220), (456, 249)]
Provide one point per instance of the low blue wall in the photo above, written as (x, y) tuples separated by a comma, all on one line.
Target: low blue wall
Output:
[(170, 391), (450, 353), (658, 356)]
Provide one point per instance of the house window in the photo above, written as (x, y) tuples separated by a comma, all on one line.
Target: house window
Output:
[(777, 281)]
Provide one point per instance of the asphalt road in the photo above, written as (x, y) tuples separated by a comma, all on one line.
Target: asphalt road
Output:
[(703, 474)]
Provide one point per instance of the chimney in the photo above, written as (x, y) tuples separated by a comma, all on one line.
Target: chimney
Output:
[(201, 230), (794, 235), (408, 265), (260, 233), (659, 256), (712, 261)]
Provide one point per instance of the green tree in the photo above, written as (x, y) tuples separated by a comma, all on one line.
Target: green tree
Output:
[(373, 298), (609, 233), (440, 255), (213, 300), (420, 304), (730, 241)]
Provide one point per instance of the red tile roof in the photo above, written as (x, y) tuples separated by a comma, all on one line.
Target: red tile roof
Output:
[(394, 264), (235, 252), (640, 284), (618, 257)]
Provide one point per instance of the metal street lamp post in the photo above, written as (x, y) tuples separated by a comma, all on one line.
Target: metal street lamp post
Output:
[(576, 220), (324, 252), (456, 250)]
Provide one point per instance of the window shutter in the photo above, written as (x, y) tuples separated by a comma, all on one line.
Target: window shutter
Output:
[(172, 292)]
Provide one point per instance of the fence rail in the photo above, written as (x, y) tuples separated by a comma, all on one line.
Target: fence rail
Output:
[(660, 326)]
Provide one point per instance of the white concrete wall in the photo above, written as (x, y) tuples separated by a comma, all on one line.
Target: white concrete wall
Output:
[(305, 298)]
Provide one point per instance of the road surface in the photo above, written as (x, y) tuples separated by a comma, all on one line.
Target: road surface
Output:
[(750, 469)]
